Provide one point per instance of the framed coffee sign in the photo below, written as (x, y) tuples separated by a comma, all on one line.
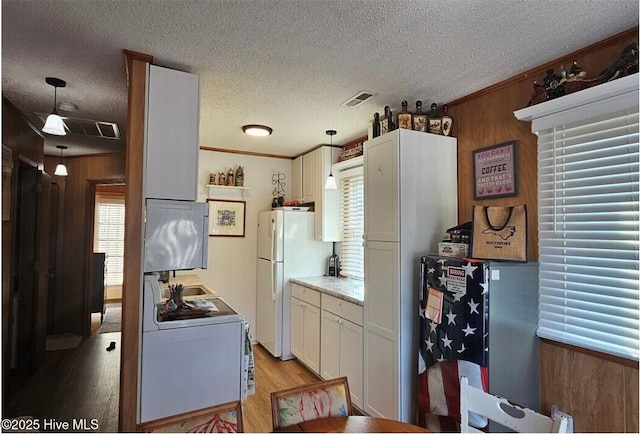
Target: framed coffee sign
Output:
[(495, 171)]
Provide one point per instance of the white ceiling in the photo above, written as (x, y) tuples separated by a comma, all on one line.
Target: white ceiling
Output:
[(289, 64)]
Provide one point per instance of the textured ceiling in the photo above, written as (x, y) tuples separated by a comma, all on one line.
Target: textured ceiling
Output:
[(284, 63)]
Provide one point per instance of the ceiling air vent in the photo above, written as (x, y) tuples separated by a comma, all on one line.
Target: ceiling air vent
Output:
[(88, 127), (358, 98)]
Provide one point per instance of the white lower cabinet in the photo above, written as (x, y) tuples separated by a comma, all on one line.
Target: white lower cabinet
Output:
[(305, 326), (341, 347)]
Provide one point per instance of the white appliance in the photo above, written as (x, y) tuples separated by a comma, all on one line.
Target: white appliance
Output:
[(176, 235), (189, 364), (286, 248)]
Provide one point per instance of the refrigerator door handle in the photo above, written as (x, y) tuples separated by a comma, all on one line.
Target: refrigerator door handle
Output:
[(273, 280)]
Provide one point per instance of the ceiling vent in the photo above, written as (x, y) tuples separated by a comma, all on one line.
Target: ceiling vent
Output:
[(88, 127), (358, 98)]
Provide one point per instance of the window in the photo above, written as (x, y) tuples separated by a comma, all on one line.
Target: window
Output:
[(589, 228), (109, 236), (352, 224)]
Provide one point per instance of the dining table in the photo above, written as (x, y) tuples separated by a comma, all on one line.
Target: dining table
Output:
[(360, 424)]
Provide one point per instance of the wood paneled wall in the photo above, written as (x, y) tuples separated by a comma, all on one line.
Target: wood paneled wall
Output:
[(70, 297), (600, 392)]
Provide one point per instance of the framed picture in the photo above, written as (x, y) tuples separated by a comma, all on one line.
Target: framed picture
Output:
[(495, 171), (226, 218)]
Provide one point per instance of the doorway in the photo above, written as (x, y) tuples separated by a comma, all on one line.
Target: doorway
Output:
[(107, 257)]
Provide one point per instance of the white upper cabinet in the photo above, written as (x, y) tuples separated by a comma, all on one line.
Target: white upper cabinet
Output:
[(171, 134), (296, 174)]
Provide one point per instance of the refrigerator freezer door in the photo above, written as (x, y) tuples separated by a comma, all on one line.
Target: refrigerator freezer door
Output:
[(270, 227), (269, 306), (176, 235)]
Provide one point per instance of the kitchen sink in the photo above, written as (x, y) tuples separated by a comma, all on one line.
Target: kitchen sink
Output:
[(189, 290)]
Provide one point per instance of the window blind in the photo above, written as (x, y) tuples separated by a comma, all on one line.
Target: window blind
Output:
[(352, 225), (589, 233), (110, 236)]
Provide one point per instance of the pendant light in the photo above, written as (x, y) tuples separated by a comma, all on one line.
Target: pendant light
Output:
[(61, 169), (54, 124), (331, 180)]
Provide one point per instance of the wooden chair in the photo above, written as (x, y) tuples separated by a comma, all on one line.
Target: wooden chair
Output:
[(500, 410), (221, 418), (310, 401)]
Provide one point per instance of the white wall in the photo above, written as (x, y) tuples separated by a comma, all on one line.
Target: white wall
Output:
[(232, 260)]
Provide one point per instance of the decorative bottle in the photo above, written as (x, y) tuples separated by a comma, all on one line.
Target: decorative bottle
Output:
[(392, 125), (435, 121), (230, 178), (419, 118), (384, 122), (239, 177), (376, 125), (447, 121), (404, 117)]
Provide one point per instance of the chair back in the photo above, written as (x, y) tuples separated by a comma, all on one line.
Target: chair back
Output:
[(223, 418), (500, 410), (310, 401)]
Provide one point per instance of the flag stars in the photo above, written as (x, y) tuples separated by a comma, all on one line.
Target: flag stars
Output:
[(429, 344), (469, 269), (433, 326), (485, 287), (431, 270), (469, 330), (446, 341), (457, 296), (451, 317), (473, 306), (462, 348), (443, 280)]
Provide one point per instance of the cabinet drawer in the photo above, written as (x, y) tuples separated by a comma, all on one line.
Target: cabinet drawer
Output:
[(303, 293), (343, 308)]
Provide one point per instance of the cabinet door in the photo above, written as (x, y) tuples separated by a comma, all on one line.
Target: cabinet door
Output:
[(310, 176), (381, 202), (351, 356), (296, 173), (297, 328), (311, 355), (381, 340), (171, 139), (330, 346)]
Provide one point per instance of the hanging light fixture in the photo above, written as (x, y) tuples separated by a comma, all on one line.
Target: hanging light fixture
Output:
[(61, 169), (54, 124), (331, 180), (257, 130)]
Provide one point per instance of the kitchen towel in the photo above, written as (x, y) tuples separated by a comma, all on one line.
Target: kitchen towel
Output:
[(500, 232)]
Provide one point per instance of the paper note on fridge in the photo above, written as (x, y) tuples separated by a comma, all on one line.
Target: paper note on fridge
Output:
[(434, 305)]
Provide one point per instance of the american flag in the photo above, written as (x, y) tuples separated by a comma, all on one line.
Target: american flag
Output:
[(463, 333), (457, 345)]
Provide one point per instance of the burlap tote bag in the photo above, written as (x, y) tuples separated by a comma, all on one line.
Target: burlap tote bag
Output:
[(500, 232)]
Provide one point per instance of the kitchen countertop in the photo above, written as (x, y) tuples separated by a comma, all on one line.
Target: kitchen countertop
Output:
[(190, 280), (351, 290)]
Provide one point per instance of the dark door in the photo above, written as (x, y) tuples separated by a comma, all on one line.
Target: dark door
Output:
[(30, 293)]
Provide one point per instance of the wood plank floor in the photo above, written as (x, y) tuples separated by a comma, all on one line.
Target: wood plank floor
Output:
[(85, 383), (271, 374)]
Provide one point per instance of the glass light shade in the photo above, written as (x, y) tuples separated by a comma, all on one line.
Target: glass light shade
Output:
[(61, 170), (257, 130), (331, 183), (54, 125)]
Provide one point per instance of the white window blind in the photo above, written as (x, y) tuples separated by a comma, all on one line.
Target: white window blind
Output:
[(110, 236), (352, 227), (589, 233)]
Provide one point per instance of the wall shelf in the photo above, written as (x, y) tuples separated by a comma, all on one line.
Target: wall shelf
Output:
[(227, 190)]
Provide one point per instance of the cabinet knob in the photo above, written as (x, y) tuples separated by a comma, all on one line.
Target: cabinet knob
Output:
[(380, 169)]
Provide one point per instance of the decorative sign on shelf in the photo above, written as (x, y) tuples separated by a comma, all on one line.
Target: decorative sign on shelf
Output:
[(495, 171)]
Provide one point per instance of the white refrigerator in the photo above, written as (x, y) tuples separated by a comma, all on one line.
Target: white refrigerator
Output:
[(286, 248)]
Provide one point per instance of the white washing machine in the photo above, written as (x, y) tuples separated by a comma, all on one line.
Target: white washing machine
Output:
[(189, 364)]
